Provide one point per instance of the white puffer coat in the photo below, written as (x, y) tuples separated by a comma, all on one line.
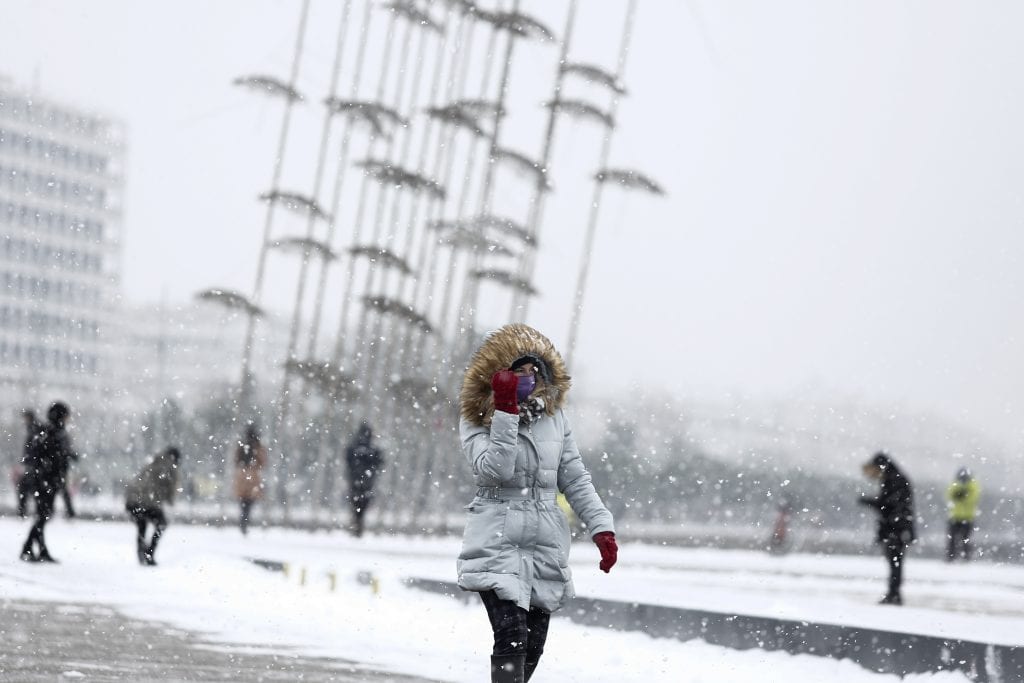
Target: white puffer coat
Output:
[(516, 540)]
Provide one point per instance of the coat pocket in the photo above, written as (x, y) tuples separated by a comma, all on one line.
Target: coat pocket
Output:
[(483, 537)]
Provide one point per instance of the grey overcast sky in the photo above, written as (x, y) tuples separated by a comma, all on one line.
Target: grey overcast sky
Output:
[(845, 180)]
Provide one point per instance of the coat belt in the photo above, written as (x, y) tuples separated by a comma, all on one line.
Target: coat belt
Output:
[(516, 493)]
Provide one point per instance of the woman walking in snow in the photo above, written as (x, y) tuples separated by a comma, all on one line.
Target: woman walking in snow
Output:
[(250, 459), (520, 448)]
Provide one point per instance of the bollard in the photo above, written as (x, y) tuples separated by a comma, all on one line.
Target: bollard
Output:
[(302, 576), (332, 580), (286, 569), (375, 585)]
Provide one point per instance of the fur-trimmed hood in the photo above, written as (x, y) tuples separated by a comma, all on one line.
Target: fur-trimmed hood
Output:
[(499, 350)]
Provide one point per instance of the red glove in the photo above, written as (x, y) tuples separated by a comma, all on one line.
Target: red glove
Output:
[(504, 383), (609, 550)]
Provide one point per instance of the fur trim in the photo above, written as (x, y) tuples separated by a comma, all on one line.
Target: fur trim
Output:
[(499, 350)]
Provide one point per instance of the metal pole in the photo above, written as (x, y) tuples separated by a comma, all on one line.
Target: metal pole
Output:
[(521, 300), (250, 332), (284, 398), (346, 290), (595, 204), (465, 328), (339, 183)]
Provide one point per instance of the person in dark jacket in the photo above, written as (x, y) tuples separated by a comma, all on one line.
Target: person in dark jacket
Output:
[(145, 496), (895, 506), (364, 462), (50, 448), (24, 482), (64, 461)]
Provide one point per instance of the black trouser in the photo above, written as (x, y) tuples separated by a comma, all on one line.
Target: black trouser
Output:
[(959, 535), (44, 510), (516, 630), (243, 517), (24, 493), (143, 516), (69, 511), (360, 501), (895, 549)]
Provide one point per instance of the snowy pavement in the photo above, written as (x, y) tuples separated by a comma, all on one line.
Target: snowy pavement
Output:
[(206, 587), (46, 641)]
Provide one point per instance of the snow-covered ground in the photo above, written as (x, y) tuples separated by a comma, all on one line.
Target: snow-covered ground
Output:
[(204, 583)]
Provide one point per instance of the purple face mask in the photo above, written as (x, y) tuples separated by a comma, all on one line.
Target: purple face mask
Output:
[(525, 387)]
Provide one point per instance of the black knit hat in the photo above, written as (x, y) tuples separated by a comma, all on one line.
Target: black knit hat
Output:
[(880, 460), (58, 412), (542, 368)]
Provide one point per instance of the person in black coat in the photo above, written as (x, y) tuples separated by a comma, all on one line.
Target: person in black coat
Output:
[(48, 452), (25, 485), (895, 506), (364, 461)]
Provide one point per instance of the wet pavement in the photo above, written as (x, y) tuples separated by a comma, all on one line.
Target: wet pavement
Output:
[(42, 641)]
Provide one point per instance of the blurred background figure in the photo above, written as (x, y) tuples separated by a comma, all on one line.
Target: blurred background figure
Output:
[(962, 496), (44, 463), (155, 485), (364, 460), (895, 506), (65, 458), (779, 542), (250, 459), (22, 481)]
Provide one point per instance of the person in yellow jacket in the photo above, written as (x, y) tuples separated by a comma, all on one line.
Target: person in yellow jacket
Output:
[(962, 496)]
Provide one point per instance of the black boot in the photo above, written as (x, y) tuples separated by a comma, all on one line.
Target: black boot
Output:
[(529, 667), (508, 668), (26, 553), (44, 556), (140, 551), (891, 599)]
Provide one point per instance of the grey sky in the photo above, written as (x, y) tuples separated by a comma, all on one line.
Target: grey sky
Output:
[(845, 213)]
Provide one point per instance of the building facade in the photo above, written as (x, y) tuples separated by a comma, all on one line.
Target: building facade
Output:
[(61, 185)]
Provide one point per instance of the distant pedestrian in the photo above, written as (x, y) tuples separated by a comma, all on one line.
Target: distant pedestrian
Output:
[(779, 542), (145, 497), (250, 459), (520, 449), (48, 450), (962, 496), (66, 457), (895, 506), (23, 480), (364, 461)]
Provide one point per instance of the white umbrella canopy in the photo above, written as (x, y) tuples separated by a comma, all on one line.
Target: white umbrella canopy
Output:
[(389, 306), (390, 174), (506, 278), (629, 179), (379, 117), (295, 202), (582, 110), (523, 165), (383, 256), (306, 245), (410, 11), (230, 299), (459, 237), (594, 74), (270, 86), (458, 116), (518, 24)]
